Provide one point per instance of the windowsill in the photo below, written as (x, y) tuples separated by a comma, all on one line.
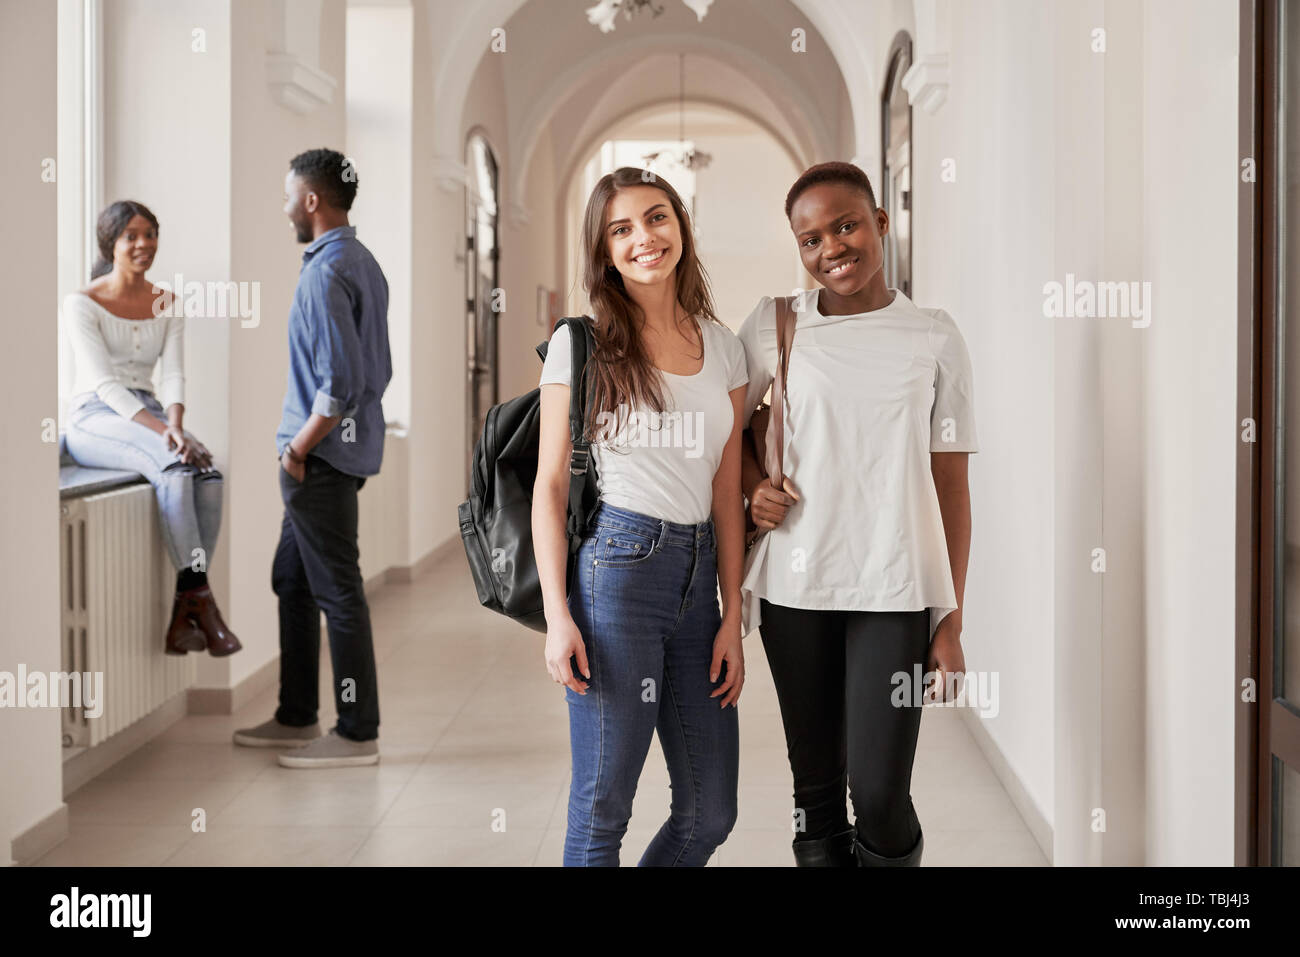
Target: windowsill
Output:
[(75, 481)]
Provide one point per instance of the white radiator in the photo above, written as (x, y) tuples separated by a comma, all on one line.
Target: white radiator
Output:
[(117, 589)]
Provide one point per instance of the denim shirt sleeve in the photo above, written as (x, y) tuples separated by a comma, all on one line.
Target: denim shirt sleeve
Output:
[(336, 358)]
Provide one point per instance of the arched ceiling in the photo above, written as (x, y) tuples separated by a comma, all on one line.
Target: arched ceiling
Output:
[(578, 125), (701, 113), (588, 80)]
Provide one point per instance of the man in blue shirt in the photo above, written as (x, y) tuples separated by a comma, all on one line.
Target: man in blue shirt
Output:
[(331, 437)]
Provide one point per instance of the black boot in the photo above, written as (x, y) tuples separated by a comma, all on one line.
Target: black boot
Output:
[(869, 858), (833, 851)]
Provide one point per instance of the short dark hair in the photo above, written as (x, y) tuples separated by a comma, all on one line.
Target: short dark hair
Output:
[(834, 172), (112, 221), (330, 174)]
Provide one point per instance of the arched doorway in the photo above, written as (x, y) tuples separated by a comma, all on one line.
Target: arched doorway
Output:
[(482, 286), (896, 172)]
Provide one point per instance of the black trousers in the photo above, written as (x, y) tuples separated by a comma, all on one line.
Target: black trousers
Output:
[(832, 671), (317, 567)]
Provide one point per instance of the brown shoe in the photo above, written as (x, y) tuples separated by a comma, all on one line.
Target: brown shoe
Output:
[(199, 605), (183, 635)]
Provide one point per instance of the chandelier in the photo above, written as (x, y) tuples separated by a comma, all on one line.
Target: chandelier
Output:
[(683, 156), (603, 13)]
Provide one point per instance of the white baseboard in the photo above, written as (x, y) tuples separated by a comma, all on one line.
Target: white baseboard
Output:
[(403, 574), (230, 700), (1015, 788), (42, 837)]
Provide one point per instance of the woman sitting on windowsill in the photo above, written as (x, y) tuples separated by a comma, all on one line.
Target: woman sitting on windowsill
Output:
[(118, 328)]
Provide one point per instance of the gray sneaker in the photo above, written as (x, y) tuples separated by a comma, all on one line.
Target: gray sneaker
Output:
[(273, 734), (333, 751)]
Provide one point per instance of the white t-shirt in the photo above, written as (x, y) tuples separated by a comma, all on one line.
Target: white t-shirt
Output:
[(870, 397), (667, 471)]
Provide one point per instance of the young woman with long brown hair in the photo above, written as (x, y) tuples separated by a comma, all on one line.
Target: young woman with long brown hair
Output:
[(639, 641)]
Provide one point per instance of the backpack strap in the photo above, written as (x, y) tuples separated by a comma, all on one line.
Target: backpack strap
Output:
[(785, 323), (581, 345)]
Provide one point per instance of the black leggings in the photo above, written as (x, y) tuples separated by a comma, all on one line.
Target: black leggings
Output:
[(832, 671)]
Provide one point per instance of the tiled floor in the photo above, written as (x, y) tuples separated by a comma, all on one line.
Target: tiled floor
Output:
[(474, 769)]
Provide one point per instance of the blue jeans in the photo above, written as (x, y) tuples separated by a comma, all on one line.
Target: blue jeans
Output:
[(645, 598), (189, 500)]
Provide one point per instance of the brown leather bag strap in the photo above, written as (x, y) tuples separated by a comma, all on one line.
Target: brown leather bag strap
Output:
[(785, 323)]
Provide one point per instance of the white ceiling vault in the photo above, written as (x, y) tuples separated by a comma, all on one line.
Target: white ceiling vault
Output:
[(818, 105)]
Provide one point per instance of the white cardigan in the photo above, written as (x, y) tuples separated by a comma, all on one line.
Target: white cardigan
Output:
[(113, 355)]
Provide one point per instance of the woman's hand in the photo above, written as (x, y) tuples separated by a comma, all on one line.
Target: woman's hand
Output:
[(727, 647), (190, 449), (768, 505), (564, 641), (946, 658), (201, 456), (173, 437)]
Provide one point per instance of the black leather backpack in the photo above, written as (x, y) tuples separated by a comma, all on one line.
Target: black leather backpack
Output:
[(496, 521)]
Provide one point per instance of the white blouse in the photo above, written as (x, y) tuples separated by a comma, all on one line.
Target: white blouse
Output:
[(871, 396), (113, 355)]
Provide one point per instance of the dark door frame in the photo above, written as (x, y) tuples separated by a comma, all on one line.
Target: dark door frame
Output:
[(1267, 730)]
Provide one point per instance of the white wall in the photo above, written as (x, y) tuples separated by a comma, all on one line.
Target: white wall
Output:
[(528, 260), (1123, 348), (214, 173), (1078, 431), (437, 309), (1116, 165), (1189, 212), (167, 128), (982, 247), (379, 53), (379, 103), (75, 190), (438, 430), (383, 505), (201, 139), (30, 752), (264, 136)]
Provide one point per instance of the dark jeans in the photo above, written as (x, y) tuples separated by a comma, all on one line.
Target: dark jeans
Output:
[(832, 671), (316, 567)]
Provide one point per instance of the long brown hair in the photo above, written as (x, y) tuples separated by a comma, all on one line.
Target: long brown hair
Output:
[(623, 378)]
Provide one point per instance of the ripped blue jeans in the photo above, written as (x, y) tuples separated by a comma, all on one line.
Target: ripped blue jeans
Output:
[(189, 500)]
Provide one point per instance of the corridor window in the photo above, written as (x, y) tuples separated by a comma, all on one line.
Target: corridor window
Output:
[(79, 160)]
